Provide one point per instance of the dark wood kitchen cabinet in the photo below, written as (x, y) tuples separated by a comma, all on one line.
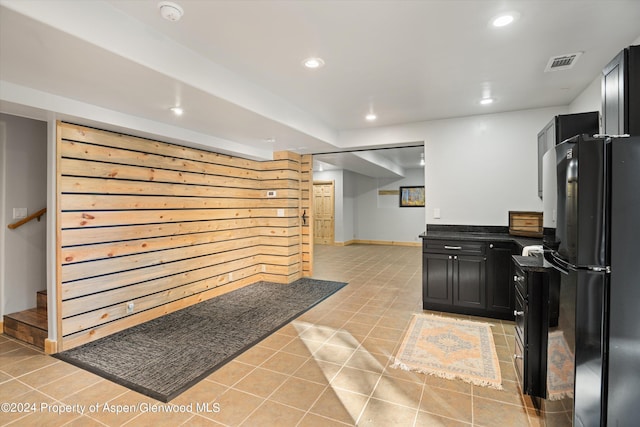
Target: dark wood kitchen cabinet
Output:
[(468, 277), (621, 93), (536, 288), (530, 332), (500, 292), (453, 275)]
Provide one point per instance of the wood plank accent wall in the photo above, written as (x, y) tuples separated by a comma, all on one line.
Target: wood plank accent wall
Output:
[(164, 226)]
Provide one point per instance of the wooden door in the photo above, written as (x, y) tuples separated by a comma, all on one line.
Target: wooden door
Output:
[(323, 215)]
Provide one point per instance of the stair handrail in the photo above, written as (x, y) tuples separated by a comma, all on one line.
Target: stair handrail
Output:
[(23, 221)]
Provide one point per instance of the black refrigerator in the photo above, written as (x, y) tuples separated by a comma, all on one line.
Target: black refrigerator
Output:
[(591, 235)]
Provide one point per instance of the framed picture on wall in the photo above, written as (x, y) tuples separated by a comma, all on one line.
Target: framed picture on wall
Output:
[(412, 197)]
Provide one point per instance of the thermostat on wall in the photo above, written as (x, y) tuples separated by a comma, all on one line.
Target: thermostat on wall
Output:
[(271, 193)]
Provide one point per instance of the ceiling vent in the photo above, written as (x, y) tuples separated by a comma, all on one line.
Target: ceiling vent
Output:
[(562, 62)]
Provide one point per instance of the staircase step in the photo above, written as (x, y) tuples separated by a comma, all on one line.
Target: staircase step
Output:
[(41, 299), (29, 326)]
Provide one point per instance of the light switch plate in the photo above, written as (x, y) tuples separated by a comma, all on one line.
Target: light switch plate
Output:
[(436, 213), (19, 213), (280, 212)]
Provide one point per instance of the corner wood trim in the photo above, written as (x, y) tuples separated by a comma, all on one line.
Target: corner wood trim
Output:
[(50, 346), (1, 326)]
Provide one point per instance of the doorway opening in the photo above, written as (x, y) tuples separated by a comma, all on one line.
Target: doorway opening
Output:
[(365, 207)]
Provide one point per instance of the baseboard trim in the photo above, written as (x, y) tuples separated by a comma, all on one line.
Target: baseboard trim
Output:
[(50, 346), (377, 242)]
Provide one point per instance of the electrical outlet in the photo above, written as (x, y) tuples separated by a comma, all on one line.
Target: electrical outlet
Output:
[(272, 193), (130, 307)]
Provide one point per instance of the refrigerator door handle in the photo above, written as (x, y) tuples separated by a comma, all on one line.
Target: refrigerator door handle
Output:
[(606, 269), (560, 264)]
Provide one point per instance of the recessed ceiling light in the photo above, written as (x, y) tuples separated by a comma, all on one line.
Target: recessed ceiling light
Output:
[(313, 63), (370, 117), (486, 101), (270, 140), (504, 19), (177, 111), (170, 11)]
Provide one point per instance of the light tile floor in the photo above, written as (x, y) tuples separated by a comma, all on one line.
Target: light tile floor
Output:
[(330, 367)]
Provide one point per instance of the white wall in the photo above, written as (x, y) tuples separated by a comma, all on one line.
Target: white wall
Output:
[(349, 197), (589, 99), (362, 214), (379, 217), (24, 176), (478, 168)]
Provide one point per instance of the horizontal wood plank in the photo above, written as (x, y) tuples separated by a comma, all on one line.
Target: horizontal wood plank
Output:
[(79, 236), (95, 169), (99, 202), (113, 218), (70, 184), (98, 251)]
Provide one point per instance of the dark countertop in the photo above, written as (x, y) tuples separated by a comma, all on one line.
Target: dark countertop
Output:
[(483, 237), (532, 263)]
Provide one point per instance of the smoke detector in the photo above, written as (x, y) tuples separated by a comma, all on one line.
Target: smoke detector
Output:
[(562, 62), (170, 11)]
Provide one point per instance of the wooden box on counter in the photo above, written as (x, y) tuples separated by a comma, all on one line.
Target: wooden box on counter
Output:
[(526, 224)]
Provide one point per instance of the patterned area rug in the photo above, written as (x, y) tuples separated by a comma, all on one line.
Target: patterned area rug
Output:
[(560, 367), (450, 348), (165, 356)]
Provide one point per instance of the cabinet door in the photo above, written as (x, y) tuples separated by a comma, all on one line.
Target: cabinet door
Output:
[(613, 99), (499, 274), (546, 140), (542, 148), (469, 281), (437, 278)]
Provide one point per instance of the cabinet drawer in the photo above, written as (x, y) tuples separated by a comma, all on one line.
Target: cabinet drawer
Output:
[(454, 247)]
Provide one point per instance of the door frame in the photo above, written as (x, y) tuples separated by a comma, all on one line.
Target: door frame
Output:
[(333, 222)]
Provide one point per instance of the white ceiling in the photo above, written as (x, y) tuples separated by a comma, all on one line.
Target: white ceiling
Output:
[(235, 66)]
